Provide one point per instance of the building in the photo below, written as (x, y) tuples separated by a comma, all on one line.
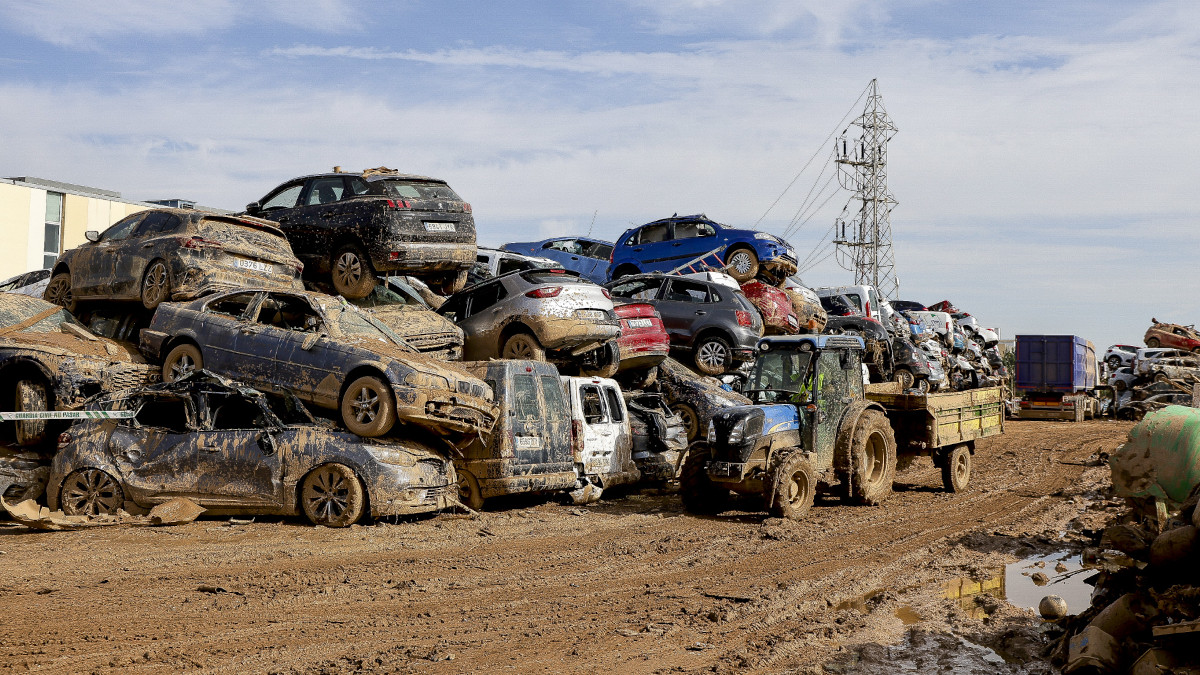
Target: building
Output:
[(42, 218)]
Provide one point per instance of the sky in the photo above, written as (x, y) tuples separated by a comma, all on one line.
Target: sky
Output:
[(1043, 165)]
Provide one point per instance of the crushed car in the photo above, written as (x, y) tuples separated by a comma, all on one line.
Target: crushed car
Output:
[(353, 227), (173, 254), (695, 398), (49, 361), (538, 315), (27, 283), (589, 257), (666, 244), (234, 450), (1173, 335), (659, 436), (330, 353), (493, 262), (400, 307), (775, 307)]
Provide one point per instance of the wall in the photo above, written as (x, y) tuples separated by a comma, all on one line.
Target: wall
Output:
[(14, 229)]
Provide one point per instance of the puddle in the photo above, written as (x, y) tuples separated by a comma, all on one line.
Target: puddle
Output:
[(907, 615), (1064, 579), (866, 603), (965, 590)]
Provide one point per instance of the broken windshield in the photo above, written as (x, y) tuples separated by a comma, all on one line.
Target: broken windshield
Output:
[(777, 376), (43, 316), (352, 322)]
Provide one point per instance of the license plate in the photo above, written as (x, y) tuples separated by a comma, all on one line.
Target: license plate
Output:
[(792, 321), (640, 323), (589, 314), (529, 442), (439, 227), (252, 265)]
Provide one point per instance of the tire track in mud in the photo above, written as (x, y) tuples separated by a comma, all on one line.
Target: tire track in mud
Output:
[(535, 588)]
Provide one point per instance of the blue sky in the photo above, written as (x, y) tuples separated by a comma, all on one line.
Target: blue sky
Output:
[(1044, 165)]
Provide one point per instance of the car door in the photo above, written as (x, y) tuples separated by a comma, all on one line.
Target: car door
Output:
[(594, 262), (654, 250), (531, 446), (481, 316), (282, 206), (93, 266), (598, 443), (559, 455), (239, 462), (568, 253), (682, 304), (226, 333), (322, 208), (155, 452), (691, 239), (134, 254), (300, 355)]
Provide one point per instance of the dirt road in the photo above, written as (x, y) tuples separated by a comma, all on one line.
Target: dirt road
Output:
[(630, 585)]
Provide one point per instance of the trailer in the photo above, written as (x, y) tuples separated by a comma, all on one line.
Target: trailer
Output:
[(1056, 375), (943, 426)]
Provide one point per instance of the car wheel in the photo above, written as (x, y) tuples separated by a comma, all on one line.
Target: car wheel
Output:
[(956, 469), (1120, 385), (351, 273), (30, 396), (523, 346), (453, 283), (608, 362), (625, 271), (713, 355), (742, 264), (794, 486), (873, 459), (156, 285), (58, 291), (691, 421), (922, 386), (368, 408), (91, 492), (1114, 362), (468, 490), (182, 360), (1161, 377), (1153, 342), (332, 496), (904, 377)]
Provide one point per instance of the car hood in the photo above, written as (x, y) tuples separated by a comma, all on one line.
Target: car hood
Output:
[(69, 344), (413, 321)]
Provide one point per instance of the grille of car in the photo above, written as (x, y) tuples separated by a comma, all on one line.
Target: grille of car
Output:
[(132, 375), (432, 494), (432, 470), (468, 389), (432, 340)]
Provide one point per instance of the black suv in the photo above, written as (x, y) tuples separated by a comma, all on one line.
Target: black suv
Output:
[(353, 226), (715, 322)]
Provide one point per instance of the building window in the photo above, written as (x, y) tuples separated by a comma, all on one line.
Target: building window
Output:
[(54, 211)]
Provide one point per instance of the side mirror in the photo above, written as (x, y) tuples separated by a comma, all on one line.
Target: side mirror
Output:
[(253, 208), (91, 235), (310, 341)]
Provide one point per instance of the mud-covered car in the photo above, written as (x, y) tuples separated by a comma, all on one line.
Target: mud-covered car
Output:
[(234, 450), (667, 244), (328, 352), (353, 227), (659, 436), (695, 398), (602, 435), (27, 283), (775, 307), (538, 315), (1172, 335), (50, 361), (400, 307), (173, 254)]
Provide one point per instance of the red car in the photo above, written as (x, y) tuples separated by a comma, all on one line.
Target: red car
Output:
[(643, 342), (1173, 335), (779, 316)]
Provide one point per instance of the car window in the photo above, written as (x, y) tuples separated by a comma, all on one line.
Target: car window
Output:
[(232, 411), (508, 264), (552, 391), (170, 413), (855, 300), (598, 250), (525, 398), (231, 305), (651, 234), (486, 297), (566, 245), (454, 308), (593, 404), (284, 199), (325, 190), (639, 289), (614, 404), (351, 321), (417, 189), (685, 290), (694, 230), (289, 312), (358, 186), (388, 296), (123, 228)]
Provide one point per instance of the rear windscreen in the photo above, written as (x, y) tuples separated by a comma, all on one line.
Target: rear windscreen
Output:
[(537, 277), (416, 189)]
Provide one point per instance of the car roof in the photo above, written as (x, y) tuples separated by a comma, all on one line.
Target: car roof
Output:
[(368, 176)]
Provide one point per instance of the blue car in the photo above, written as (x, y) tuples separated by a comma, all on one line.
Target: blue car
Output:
[(666, 244), (588, 257)]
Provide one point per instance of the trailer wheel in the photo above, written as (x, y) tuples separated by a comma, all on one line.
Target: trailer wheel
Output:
[(793, 488), (873, 458), (956, 469), (696, 489)]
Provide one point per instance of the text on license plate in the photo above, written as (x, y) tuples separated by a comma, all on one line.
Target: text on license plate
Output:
[(252, 265), (589, 314), (528, 442), (640, 323), (439, 227)]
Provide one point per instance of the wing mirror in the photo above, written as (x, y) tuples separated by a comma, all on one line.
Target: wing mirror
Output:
[(253, 208), (310, 341), (91, 235)]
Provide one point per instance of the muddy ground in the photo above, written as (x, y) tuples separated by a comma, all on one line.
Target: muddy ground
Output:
[(629, 585)]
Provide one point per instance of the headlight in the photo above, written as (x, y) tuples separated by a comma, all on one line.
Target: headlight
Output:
[(739, 428), (764, 235), (419, 379), (712, 432), (392, 456)]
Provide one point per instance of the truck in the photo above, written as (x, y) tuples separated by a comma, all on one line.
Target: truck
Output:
[(813, 424), (1056, 377)]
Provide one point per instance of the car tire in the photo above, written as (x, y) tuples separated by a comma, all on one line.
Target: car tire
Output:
[(793, 487), (156, 284), (1153, 343), (59, 292), (90, 492), (182, 360), (742, 264), (1160, 376), (609, 362), (1120, 385), (30, 396), (351, 273), (1114, 362), (904, 377), (956, 469), (523, 346), (469, 493), (696, 490), (368, 407), (691, 421), (713, 355), (873, 459), (452, 283), (332, 496)]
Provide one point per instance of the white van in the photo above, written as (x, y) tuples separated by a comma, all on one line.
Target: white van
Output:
[(601, 432)]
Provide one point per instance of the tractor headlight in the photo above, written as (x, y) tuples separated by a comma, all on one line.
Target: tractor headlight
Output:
[(738, 430), (712, 432)]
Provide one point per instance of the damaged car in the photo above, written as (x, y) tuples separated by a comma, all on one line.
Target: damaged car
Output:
[(589, 257), (659, 436), (234, 450), (173, 254), (330, 353), (664, 245), (643, 343), (601, 432), (695, 398), (50, 361), (1173, 335), (354, 227), (538, 315), (400, 307), (775, 307)]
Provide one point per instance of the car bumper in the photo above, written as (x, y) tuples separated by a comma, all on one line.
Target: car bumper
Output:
[(565, 333), (642, 351), (420, 257), (446, 414), (390, 501), (657, 466), (193, 278)]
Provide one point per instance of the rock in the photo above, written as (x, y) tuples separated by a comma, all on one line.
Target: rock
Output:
[(1060, 568), (1052, 608), (1040, 578), (1174, 547), (1127, 539)]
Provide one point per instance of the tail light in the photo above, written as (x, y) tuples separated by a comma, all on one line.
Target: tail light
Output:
[(299, 268), (399, 204), (544, 292), (606, 293), (63, 439), (743, 318), (466, 207), (199, 243), (577, 438)]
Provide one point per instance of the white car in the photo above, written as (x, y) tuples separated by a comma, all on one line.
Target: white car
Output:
[(1120, 355), (1148, 356), (1122, 379), (601, 433), (938, 323)]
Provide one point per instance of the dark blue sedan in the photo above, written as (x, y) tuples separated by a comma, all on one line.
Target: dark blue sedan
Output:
[(666, 244), (588, 257)]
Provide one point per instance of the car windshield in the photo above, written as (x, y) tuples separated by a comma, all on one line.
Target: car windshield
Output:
[(551, 277), (356, 323), (388, 296), (16, 309), (777, 376), (639, 289), (418, 189)]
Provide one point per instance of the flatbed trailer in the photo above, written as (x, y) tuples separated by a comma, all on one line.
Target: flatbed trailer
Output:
[(943, 426)]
